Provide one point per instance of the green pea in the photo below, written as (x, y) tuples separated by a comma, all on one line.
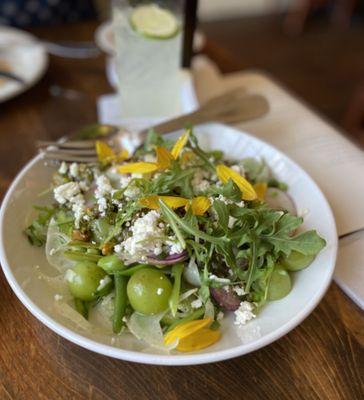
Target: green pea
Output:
[(149, 291), (280, 283), (111, 264), (297, 261), (84, 279)]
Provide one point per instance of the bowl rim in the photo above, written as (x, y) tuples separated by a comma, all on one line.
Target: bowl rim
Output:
[(154, 359)]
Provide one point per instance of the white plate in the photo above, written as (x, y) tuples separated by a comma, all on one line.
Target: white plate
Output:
[(104, 38), (18, 259), (26, 57)]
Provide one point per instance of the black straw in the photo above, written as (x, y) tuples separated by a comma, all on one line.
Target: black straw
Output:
[(190, 26)]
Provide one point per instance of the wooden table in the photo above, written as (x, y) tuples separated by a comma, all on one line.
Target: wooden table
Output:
[(321, 359)]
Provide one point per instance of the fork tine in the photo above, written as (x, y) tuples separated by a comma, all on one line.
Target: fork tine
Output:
[(71, 152), (68, 158), (72, 144)]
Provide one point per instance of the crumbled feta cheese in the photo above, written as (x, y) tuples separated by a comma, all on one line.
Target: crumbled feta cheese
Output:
[(239, 290), (58, 297), (199, 182), (124, 181), (103, 189), (220, 316), (174, 245), (66, 192), (146, 236), (226, 288), (74, 170), (103, 282), (196, 303), (132, 192), (118, 248), (231, 221), (244, 313), (63, 168), (215, 278)]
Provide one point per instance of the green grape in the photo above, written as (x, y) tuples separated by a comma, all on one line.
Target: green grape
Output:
[(84, 279), (280, 283), (297, 261), (111, 264), (149, 291)]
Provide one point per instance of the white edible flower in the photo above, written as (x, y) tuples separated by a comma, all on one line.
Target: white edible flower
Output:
[(196, 303), (244, 313), (63, 168)]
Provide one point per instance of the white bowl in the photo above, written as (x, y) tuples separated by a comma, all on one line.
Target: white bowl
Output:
[(19, 258)]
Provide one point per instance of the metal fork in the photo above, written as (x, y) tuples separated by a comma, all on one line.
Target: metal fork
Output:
[(231, 107)]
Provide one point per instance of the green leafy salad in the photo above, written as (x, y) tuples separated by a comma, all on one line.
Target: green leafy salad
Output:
[(165, 242)]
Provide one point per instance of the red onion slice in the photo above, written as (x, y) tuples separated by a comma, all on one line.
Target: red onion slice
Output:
[(169, 260)]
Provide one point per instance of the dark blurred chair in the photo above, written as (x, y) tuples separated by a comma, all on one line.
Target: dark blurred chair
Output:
[(340, 12), (24, 13)]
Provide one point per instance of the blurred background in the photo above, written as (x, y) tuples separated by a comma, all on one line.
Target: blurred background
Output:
[(314, 47)]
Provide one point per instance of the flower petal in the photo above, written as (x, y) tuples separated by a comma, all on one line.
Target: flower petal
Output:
[(260, 189), (187, 156), (188, 328), (104, 152), (123, 155), (138, 168), (152, 202), (200, 205), (180, 144), (199, 340), (225, 173), (164, 158)]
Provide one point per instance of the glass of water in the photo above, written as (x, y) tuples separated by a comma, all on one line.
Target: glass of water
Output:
[(148, 38)]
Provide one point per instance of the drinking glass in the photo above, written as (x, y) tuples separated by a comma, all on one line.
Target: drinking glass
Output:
[(148, 38)]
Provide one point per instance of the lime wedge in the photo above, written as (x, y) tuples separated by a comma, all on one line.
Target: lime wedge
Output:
[(154, 22)]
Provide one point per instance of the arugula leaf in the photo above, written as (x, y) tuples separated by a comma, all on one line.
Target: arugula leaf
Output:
[(222, 212), (37, 230)]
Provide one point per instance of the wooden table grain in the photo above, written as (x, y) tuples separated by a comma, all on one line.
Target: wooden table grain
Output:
[(323, 358)]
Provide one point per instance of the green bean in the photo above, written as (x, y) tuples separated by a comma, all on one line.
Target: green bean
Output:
[(177, 270), (79, 256), (82, 307), (130, 271), (119, 302)]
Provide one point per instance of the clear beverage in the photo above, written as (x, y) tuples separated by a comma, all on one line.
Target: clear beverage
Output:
[(148, 67)]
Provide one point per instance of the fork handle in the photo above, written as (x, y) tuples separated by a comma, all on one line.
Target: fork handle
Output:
[(241, 108)]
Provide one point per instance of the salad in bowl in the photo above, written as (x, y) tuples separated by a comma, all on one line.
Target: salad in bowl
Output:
[(164, 242)]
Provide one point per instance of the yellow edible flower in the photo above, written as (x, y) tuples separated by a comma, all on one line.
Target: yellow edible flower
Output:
[(137, 168), (200, 205), (107, 155), (225, 173), (152, 202), (164, 158), (180, 144), (260, 189), (193, 335)]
